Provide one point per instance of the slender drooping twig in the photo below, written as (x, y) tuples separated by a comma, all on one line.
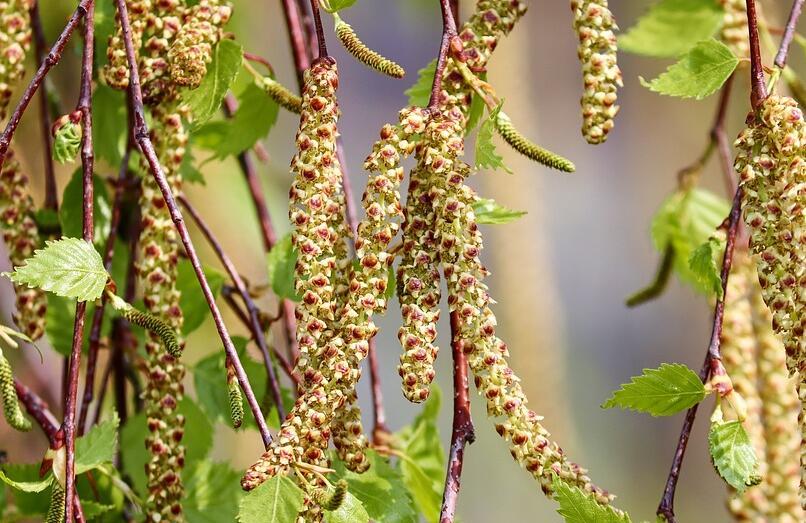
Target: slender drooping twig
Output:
[(51, 196), (450, 40), (251, 308), (320, 32), (87, 166), (140, 129), (712, 359), (51, 59), (759, 88), (462, 432), (789, 33), (720, 138), (296, 36)]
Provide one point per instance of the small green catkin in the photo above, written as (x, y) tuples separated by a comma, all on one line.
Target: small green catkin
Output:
[(331, 500), (349, 39), (235, 397), (530, 149), (56, 509), (11, 406), (150, 323), (282, 95)]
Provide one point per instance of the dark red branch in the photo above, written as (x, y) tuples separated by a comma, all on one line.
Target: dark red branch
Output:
[(51, 194), (712, 360), (462, 432), (719, 136), (789, 33), (759, 88), (320, 32), (449, 40), (38, 410), (51, 59), (140, 129), (296, 36), (251, 308)]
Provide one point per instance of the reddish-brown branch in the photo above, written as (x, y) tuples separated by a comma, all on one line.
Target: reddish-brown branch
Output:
[(140, 129), (51, 59), (789, 33), (712, 360), (251, 308), (320, 32), (449, 40), (759, 88), (87, 166), (252, 57), (51, 196), (296, 36), (720, 137), (38, 410), (462, 432)]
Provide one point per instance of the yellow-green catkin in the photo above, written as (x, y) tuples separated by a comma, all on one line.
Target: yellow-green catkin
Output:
[(739, 350), (157, 271), (163, 23), (528, 148), (780, 408), (349, 39), (331, 500), (11, 406), (192, 49), (21, 236), (56, 508), (116, 72), (281, 94), (15, 39), (734, 27), (235, 396), (601, 76)]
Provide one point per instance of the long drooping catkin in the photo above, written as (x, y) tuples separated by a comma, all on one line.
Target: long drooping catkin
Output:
[(192, 49), (349, 39), (734, 27), (15, 39)]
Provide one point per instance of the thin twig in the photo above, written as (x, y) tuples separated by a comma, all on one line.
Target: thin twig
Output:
[(51, 59), (147, 149), (759, 89), (296, 36), (251, 308), (449, 40), (789, 33), (712, 358), (87, 166), (320, 32), (38, 410), (720, 137), (462, 432)]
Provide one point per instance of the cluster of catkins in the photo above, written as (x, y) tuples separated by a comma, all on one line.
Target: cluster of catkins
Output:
[(734, 27), (595, 26), (15, 39)]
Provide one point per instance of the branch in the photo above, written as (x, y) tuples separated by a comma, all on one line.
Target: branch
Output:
[(759, 88), (140, 129), (450, 42), (462, 432), (712, 361), (87, 166), (720, 138), (251, 308), (320, 32), (789, 33), (51, 196), (38, 410), (51, 59), (296, 36)]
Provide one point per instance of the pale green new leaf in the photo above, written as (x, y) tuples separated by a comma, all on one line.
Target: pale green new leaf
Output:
[(350, 511), (281, 260), (699, 73), (577, 506), (205, 101), (338, 5), (420, 92), (26, 486), (277, 500), (97, 446), (664, 391), (212, 492), (68, 267), (487, 211), (733, 454), (705, 263), (486, 155), (672, 27)]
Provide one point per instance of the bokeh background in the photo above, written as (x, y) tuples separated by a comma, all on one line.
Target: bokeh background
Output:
[(560, 274)]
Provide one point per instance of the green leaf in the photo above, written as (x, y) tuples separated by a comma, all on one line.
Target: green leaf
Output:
[(338, 5), (93, 511), (212, 492), (194, 306), (686, 220), (420, 92), (205, 101), (489, 212), (59, 323), (71, 213), (350, 511), (391, 283), (705, 263), (577, 506), (188, 170), (672, 27), (698, 74), (26, 486), (109, 117), (281, 260), (664, 391), (68, 267), (277, 500), (477, 107), (733, 454), (97, 446), (486, 155), (381, 489)]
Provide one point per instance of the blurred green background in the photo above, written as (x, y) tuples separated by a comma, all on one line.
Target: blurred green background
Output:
[(560, 274)]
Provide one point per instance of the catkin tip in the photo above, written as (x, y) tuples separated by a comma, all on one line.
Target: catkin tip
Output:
[(11, 406), (282, 95), (349, 39), (530, 149)]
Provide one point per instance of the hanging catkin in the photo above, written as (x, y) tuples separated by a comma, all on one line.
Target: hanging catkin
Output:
[(192, 49)]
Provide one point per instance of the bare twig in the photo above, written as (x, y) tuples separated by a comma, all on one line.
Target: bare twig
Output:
[(450, 43), (147, 149), (38, 410), (759, 88), (789, 33), (320, 32), (296, 35)]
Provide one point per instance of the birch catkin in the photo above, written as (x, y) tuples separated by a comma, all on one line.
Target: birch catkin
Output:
[(349, 39), (734, 27), (15, 39), (11, 406), (192, 49)]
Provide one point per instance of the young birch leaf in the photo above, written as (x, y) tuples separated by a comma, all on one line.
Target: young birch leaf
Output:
[(733, 454), (577, 506), (487, 211), (698, 74), (109, 116), (281, 260), (705, 263), (277, 500), (26, 486), (68, 267), (205, 101), (350, 511), (420, 92), (664, 391), (97, 446), (212, 492), (338, 5), (672, 27), (486, 155)]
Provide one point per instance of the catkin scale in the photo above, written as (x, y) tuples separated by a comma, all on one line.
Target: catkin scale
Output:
[(349, 39), (56, 508), (528, 148), (11, 405), (281, 94)]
